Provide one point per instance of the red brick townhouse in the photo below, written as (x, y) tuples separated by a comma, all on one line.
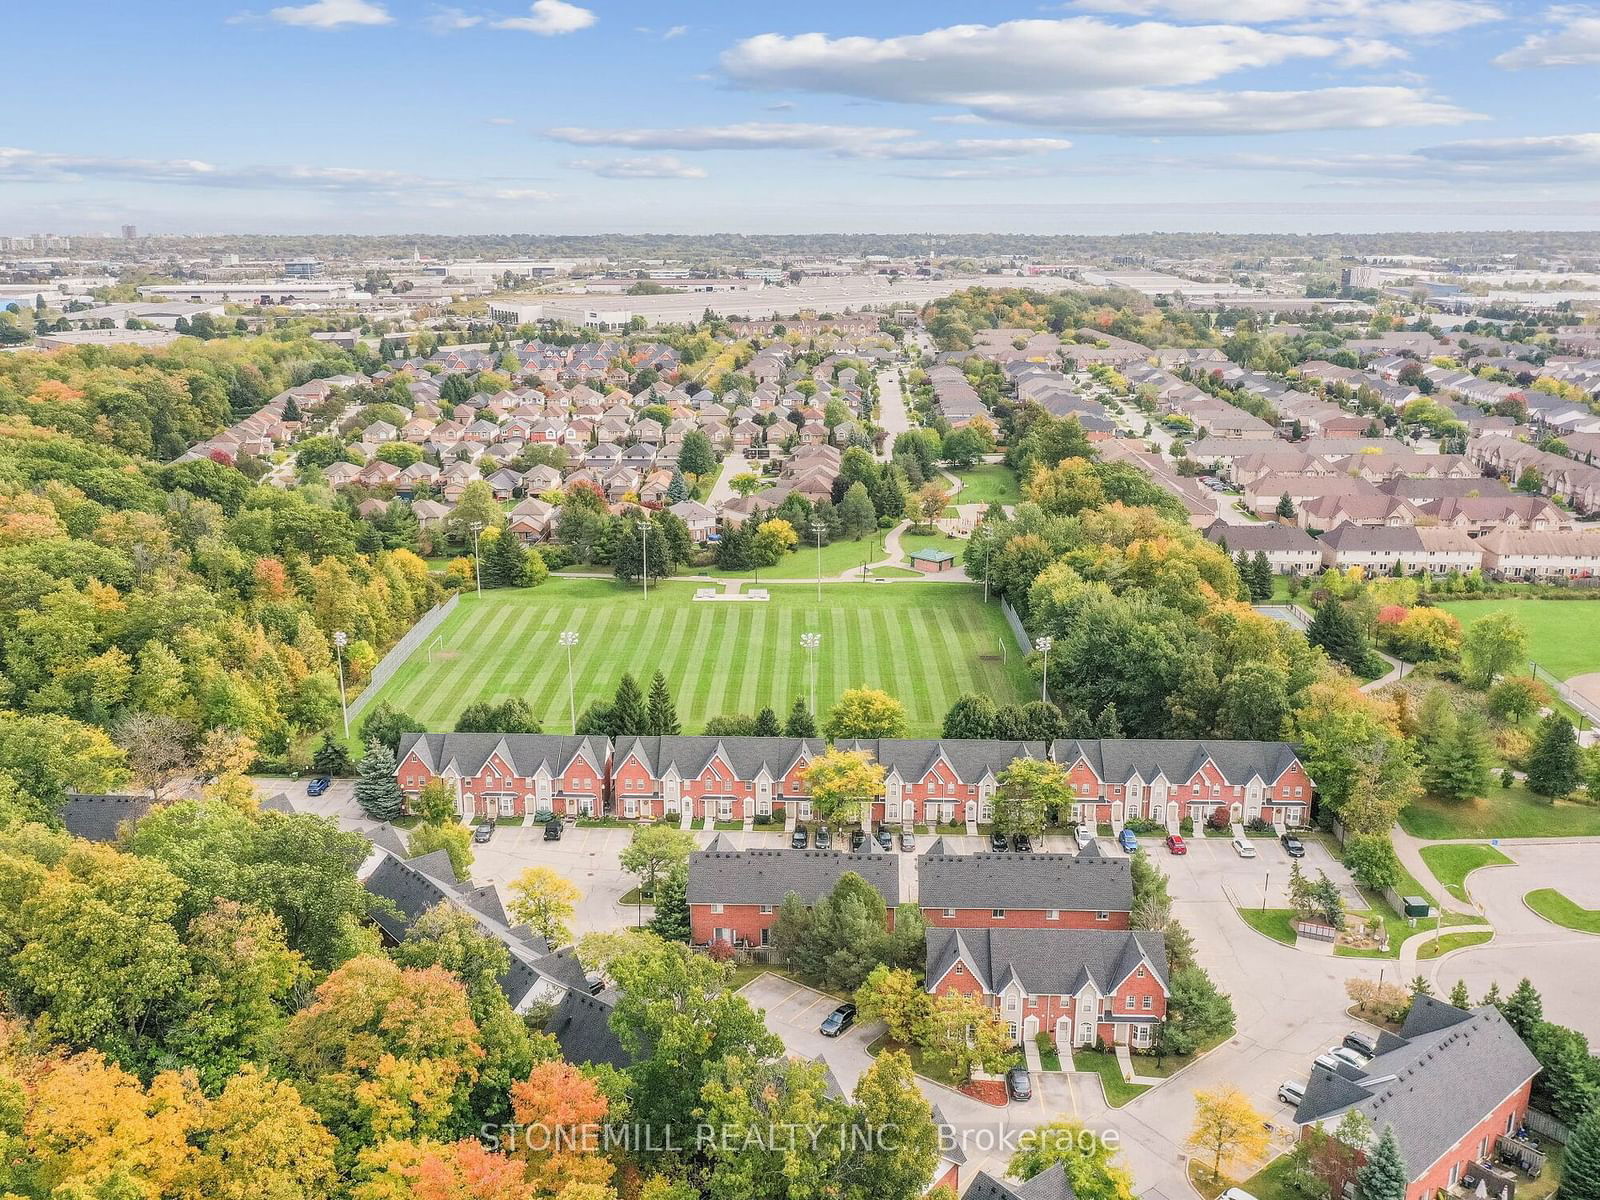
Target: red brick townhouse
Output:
[(1087, 890), (1451, 1084), (1081, 986), (726, 778), (941, 781), (1119, 779), (509, 774), (734, 894)]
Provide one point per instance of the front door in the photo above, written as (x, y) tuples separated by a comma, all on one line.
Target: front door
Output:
[(1116, 812), (971, 812)]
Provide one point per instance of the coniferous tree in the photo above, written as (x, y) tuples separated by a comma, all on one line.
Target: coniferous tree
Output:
[(1285, 507), (1107, 724), (733, 550), (801, 724), (767, 724), (1337, 631), (1261, 577), (505, 561), (671, 920), (1383, 1177), (1459, 997), (1580, 1170), (661, 717), (376, 790), (1554, 765), (628, 712), (677, 490), (1456, 764), (1524, 1009), (331, 757)]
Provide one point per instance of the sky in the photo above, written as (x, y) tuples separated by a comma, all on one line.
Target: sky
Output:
[(686, 116)]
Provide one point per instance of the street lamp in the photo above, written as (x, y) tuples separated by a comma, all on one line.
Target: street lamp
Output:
[(644, 549), (340, 641), (819, 528), (986, 537), (477, 571), (569, 639), (811, 641), (1042, 645)]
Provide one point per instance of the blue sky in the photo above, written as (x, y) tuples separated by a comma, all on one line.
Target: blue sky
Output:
[(707, 115)]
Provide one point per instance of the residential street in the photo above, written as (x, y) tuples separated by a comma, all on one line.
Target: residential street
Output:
[(893, 417)]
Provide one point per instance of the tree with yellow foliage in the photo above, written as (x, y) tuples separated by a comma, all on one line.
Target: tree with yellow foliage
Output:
[(544, 900), (1226, 1125)]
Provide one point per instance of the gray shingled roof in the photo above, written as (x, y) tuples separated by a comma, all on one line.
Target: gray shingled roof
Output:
[(1047, 962), (766, 876), (1085, 883), (970, 758), (1117, 760), (1049, 1184), (581, 1024), (1447, 1070), (690, 755), (1261, 535), (467, 752), (97, 818)]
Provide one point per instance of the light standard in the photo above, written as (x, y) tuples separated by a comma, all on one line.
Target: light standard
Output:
[(569, 639), (986, 537), (1042, 645), (811, 641), (477, 571), (644, 549), (340, 640), (818, 528)]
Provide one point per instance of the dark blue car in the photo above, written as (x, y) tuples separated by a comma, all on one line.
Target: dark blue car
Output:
[(1129, 842), (318, 785)]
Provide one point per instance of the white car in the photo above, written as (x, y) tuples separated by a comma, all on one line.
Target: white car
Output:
[(1236, 1194), (1291, 1093), (1243, 848), (1083, 834)]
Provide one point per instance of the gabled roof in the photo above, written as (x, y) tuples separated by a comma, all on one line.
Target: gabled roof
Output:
[(1081, 883), (766, 876), (1117, 760), (969, 758), (746, 757), (97, 818), (1050, 1184), (581, 1025), (1047, 962), (525, 753)]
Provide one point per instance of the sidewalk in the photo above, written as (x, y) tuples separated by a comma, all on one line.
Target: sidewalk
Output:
[(1125, 1061)]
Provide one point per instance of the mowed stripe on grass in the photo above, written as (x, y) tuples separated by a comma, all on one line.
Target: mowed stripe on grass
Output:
[(924, 644)]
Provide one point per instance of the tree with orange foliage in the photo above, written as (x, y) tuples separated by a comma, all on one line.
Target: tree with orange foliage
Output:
[(559, 1112), (429, 1170)]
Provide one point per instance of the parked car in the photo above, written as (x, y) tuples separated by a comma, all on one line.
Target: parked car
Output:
[(1291, 1093), (824, 839), (858, 839), (1176, 844), (552, 829), (483, 831), (999, 843), (885, 837), (908, 841), (1236, 1194), (1351, 1058), (1021, 843), (1128, 841), (318, 785), (1018, 1085), (1083, 835), (800, 838), (838, 1020), (1243, 848), (1361, 1043), (1293, 846)]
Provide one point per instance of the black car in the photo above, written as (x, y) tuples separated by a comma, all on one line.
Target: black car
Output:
[(800, 838), (838, 1020), (482, 833), (1021, 843), (858, 839), (885, 837), (1293, 846), (1018, 1085), (552, 829), (1362, 1043), (824, 839), (999, 843)]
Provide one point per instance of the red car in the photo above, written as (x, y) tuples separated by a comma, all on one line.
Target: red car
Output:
[(1176, 844)]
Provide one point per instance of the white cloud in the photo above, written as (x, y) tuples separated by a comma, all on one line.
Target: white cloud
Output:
[(501, 121), (959, 119), (677, 31), (644, 166), (748, 135), (1411, 18), (451, 20), (967, 148), (1087, 74), (550, 18), (975, 174), (333, 14), (1573, 157), (34, 166), (1575, 43)]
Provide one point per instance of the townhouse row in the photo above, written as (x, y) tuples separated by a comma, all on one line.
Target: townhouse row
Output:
[(927, 781)]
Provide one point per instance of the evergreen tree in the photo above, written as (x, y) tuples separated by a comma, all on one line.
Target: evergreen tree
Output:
[(767, 724), (1107, 724), (505, 561), (1458, 995), (1241, 564), (376, 790), (1580, 1170), (801, 724), (1337, 631), (631, 557), (856, 512), (595, 719), (1261, 577), (1456, 764), (1492, 996), (677, 490), (628, 712), (1524, 1009), (331, 757), (1384, 1176), (733, 550), (671, 920), (661, 715), (1285, 507), (1554, 765)]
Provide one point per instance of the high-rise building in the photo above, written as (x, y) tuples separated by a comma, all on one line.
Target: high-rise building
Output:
[(130, 233)]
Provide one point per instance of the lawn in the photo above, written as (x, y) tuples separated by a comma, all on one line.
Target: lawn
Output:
[(988, 483), (925, 646), (1560, 632), (1558, 909), (837, 558), (1505, 812), (1118, 1090), (1276, 923), (910, 542), (1453, 863), (929, 1066), (1434, 948)]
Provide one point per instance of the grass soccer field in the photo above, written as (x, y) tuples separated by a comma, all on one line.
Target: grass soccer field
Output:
[(925, 644), (1562, 634)]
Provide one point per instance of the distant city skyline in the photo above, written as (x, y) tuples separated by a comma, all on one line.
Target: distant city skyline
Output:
[(1093, 116)]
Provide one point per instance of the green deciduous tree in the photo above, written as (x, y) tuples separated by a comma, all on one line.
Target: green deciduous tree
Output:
[(1087, 1157), (970, 716), (1495, 644), (655, 851), (865, 713), (1027, 790)]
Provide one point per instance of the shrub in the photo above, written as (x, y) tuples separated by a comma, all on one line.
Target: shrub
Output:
[(1219, 817), (720, 950)]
